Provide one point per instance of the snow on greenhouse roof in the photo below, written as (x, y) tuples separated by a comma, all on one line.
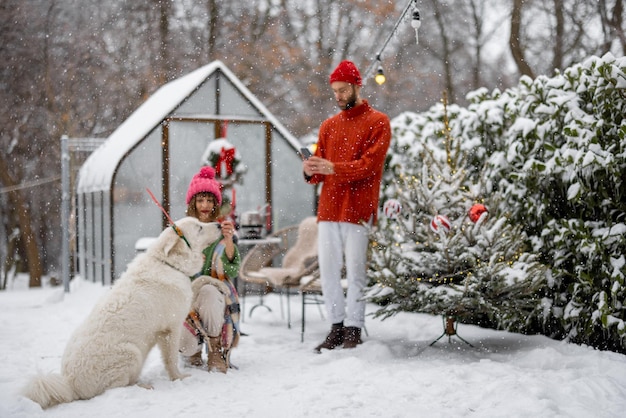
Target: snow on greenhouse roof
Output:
[(97, 172)]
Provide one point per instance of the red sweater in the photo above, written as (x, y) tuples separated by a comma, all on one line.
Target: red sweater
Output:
[(356, 141)]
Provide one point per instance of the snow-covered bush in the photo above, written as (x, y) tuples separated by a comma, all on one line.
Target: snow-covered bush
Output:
[(549, 156)]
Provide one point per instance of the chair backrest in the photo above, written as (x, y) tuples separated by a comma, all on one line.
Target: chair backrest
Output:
[(305, 246), (257, 257)]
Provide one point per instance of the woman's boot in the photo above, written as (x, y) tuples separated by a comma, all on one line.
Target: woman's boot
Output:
[(217, 356), (196, 359)]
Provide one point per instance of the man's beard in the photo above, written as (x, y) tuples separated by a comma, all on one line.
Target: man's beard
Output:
[(350, 102)]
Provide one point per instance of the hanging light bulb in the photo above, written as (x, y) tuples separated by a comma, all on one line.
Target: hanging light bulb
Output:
[(380, 76), (415, 24)]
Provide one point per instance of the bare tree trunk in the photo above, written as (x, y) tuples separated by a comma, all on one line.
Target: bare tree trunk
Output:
[(557, 59), (616, 21), (514, 41), (447, 55), (612, 27), (27, 236), (213, 19), (165, 67), (478, 62)]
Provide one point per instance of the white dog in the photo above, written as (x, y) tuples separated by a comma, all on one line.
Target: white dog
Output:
[(145, 307)]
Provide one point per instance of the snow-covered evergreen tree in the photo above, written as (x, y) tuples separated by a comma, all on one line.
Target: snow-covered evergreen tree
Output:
[(548, 155), (477, 270)]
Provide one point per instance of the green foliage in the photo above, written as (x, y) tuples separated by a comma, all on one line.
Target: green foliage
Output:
[(549, 156)]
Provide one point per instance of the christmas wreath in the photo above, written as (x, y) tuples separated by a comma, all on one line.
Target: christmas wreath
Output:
[(226, 160)]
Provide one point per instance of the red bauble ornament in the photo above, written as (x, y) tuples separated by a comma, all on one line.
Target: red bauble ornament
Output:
[(392, 208), (475, 212), (440, 223)]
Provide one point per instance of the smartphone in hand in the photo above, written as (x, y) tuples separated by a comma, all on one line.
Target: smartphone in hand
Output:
[(305, 153)]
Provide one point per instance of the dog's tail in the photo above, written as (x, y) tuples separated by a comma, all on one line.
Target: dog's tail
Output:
[(49, 390)]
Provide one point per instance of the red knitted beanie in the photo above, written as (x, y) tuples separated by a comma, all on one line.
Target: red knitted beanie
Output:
[(204, 181), (347, 72)]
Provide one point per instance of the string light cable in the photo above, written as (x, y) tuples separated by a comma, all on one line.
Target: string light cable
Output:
[(29, 184), (415, 23)]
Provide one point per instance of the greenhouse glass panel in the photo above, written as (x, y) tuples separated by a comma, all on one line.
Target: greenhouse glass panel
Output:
[(135, 214), (293, 197), (234, 103), (187, 144), (249, 142), (202, 101), (98, 236)]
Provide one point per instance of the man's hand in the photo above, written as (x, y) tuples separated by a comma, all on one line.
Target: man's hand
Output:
[(317, 165)]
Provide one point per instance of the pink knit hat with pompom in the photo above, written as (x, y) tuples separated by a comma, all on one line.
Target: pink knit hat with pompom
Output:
[(204, 181)]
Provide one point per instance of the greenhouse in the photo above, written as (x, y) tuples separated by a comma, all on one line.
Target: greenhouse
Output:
[(161, 146)]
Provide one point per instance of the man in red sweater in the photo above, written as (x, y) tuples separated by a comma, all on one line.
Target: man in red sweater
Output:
[(348, 160)]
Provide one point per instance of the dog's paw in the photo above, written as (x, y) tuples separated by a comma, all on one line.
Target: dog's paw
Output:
[(181, 376), (145, 386)]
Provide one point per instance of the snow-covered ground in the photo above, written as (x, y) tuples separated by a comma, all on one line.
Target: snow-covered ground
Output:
[(395, 373)]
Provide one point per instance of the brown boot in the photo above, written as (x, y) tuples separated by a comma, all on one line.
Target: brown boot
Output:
[(217, 356), (195, 360), (351, 337), (333, 339)]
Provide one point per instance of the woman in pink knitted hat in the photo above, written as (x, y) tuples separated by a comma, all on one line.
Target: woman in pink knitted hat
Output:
[(214, 315)]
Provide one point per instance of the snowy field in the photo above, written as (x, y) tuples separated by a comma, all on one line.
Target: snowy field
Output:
[(395, 373)]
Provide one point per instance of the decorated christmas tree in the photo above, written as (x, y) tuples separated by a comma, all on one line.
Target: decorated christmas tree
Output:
[(443, 246)]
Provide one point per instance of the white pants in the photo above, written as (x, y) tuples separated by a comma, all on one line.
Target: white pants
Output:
[(210, 305), (341, 242)]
